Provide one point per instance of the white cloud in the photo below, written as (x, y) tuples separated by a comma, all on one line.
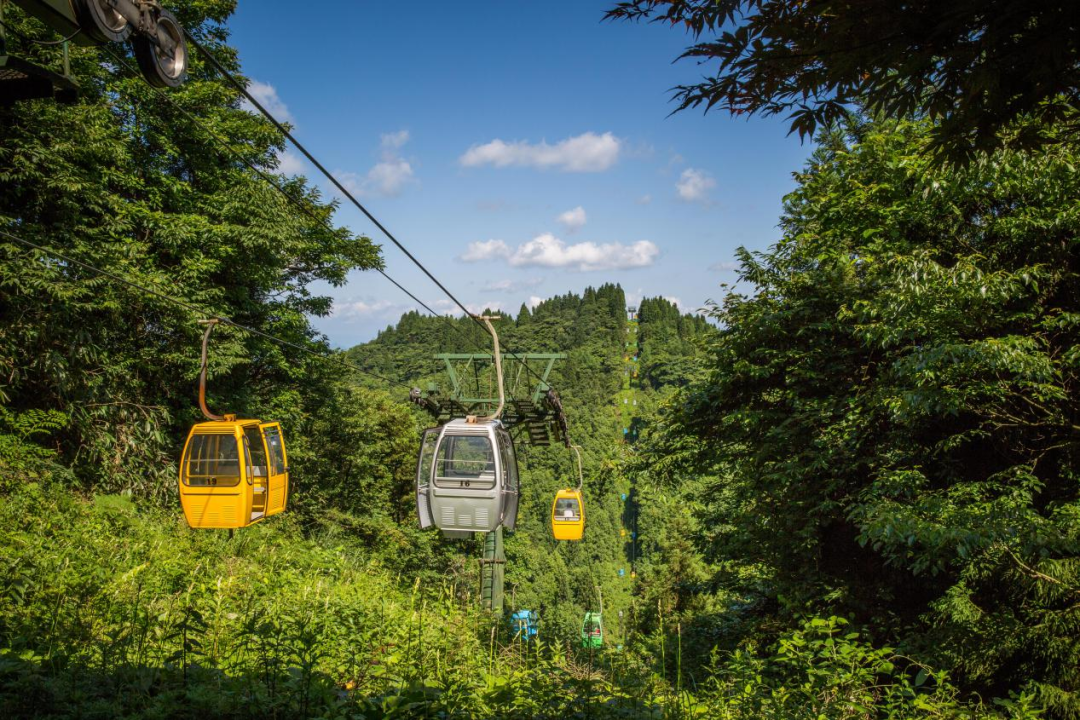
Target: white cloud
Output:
[(549, 251), (510, 286), (587, 152), (694, 185), (495, 308), (388, 310), (724, 266), (644, 200), (388, 177), (290, 164), (446, 306), (533, 301), (573, 220), (674, 301), (267, 96), (395, 140), (485, 250), (366, 309)]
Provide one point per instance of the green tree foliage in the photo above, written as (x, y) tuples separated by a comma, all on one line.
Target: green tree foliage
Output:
[(885, 430), (976, 66), (822, 670), (890, 418), (127, 181), (669, 343)]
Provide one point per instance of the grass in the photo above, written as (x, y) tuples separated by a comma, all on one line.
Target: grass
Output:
[(110, 610)]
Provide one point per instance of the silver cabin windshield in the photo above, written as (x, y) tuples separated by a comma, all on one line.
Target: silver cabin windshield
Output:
[(465, 461)]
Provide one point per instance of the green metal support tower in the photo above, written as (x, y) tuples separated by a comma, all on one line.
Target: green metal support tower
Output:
[(493, 572), (536, 409)]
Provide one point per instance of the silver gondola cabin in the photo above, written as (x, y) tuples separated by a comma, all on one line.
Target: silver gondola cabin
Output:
[(467, 478)]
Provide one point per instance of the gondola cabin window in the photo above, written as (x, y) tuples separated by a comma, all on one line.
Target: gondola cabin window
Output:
[(567, 509), (465, 462), (509, 462), (212, 461), (256, 453), (277, 453), (427, 455)]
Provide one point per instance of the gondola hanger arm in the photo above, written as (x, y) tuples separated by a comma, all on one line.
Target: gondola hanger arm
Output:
[(202, 373), (580, 472), (498, 371)]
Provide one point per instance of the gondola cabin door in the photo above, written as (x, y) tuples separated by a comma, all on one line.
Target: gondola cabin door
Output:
[(278, 468), (425, 467), (509, 469)]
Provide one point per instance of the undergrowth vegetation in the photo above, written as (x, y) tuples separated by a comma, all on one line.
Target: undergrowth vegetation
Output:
[(113, 609)]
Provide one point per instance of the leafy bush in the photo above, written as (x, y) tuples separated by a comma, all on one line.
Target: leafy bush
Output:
[(824, 671)]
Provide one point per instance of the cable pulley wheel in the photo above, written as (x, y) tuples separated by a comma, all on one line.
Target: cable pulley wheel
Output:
[(161, 68), (99, 20)]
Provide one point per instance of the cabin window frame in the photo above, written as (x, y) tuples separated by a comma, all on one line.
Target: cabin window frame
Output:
[(425, 465), (256, 447), (448, 444), (559, 517), (198, 441), (275, 453), (508, 460)]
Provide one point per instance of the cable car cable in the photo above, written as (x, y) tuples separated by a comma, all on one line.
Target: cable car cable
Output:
[(194, 309), (270, 179), (242, 89), (231, 79), (302, 206)]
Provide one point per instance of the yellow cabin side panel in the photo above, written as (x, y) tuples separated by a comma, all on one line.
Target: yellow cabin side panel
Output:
[(216, 510)]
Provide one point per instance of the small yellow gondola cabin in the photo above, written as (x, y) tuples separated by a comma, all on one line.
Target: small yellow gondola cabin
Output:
[(568, 515), (233, 473)]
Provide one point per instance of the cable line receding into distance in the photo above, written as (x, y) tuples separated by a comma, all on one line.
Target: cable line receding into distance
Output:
[(192, 308), (242, 89), (304, 207), (269, 179)]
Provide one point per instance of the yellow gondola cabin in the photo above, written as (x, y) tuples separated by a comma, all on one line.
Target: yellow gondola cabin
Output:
[(568, 515), (233, 473)]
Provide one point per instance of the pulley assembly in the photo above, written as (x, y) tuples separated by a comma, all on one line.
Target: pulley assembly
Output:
[(157, 40)]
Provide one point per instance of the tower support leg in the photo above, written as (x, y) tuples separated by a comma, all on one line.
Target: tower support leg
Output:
[(493, 571)]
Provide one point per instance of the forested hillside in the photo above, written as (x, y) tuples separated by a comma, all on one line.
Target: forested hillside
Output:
[(849, 489), (559, 580)]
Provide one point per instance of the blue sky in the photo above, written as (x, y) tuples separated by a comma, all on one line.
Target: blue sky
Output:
[(520, 150)]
